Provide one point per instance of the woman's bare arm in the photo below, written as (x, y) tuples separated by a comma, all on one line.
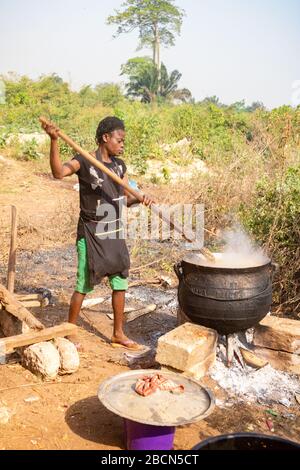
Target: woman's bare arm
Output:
[(147, 201), (59, 169)]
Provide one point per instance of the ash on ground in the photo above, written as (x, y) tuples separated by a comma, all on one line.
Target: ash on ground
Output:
[(265, 386), (164, 299)]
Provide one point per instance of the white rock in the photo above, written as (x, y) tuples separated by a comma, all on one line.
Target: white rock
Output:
[(42, 359), (177, 145), (31, 399), (166, 281), (68, 354), (175, 171), (40, 138), (92, 302), (5, 415)]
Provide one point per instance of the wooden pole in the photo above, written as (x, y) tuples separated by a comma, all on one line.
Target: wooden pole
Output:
[(12, 251), (9, 302), (33, 337)]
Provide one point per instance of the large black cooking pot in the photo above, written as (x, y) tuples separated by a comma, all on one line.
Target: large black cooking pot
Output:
[(225, 299), (247, 441)]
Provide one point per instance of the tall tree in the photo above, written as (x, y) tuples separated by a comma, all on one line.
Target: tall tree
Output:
[(158, 21)]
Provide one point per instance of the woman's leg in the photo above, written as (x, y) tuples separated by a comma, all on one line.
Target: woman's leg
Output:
[(75, 306), (81, 289), (119, 339), (82, 283), (118, 305), (74, 311)]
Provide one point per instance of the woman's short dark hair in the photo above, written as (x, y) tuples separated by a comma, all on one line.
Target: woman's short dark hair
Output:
[(108, 125)]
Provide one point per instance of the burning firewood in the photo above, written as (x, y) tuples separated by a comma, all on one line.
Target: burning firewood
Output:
[(252, 359)]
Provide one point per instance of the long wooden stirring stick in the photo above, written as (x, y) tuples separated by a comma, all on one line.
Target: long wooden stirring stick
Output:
[(139, 196)]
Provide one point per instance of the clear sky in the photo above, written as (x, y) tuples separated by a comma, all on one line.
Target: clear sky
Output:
[(235, 49)]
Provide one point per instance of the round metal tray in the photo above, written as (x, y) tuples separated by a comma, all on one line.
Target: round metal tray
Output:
[(162, 408)]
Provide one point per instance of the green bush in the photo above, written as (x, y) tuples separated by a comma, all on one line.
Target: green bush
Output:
[(274, 219), (3, 139), (30, 150), (143, 132)]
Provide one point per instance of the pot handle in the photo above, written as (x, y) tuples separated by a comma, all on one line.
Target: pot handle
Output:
[(275, 267), (178, 270)]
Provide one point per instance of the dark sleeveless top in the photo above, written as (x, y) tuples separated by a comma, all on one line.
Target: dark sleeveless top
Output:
[(101, 202)]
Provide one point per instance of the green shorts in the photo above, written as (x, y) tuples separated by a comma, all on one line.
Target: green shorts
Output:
[(116, 281)]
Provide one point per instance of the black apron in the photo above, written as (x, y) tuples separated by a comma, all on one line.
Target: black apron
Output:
[(103, 229)]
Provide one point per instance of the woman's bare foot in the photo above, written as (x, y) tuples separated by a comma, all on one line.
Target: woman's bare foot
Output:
[(124, 342)]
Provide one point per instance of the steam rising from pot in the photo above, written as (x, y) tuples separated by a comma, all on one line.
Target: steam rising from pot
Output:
[(239, 252)]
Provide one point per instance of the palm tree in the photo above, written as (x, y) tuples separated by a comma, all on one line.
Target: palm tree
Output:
[(144, 81)]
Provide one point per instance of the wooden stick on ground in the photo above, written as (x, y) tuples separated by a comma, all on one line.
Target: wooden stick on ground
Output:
[(31, 303), (133, 313), (27, 297), (32, 300), (12, 342), (143, 282), (139, 313), (12, 251), (15, 308)]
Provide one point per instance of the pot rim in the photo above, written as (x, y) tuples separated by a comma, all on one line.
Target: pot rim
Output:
[(244, 269)]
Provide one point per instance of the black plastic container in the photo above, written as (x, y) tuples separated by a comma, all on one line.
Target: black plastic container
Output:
[(247, 441)]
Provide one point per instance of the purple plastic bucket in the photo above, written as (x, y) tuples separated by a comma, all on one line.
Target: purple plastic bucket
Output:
[(146, 437)]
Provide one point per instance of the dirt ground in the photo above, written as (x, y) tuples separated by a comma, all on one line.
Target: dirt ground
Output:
[(66, 413)]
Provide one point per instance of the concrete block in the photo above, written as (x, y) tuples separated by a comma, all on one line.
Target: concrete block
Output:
[(202, 368), (280, 334), (186, 346), (280, 360)]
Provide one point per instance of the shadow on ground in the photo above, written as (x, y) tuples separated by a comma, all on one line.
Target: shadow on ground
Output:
[(90, 420)]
